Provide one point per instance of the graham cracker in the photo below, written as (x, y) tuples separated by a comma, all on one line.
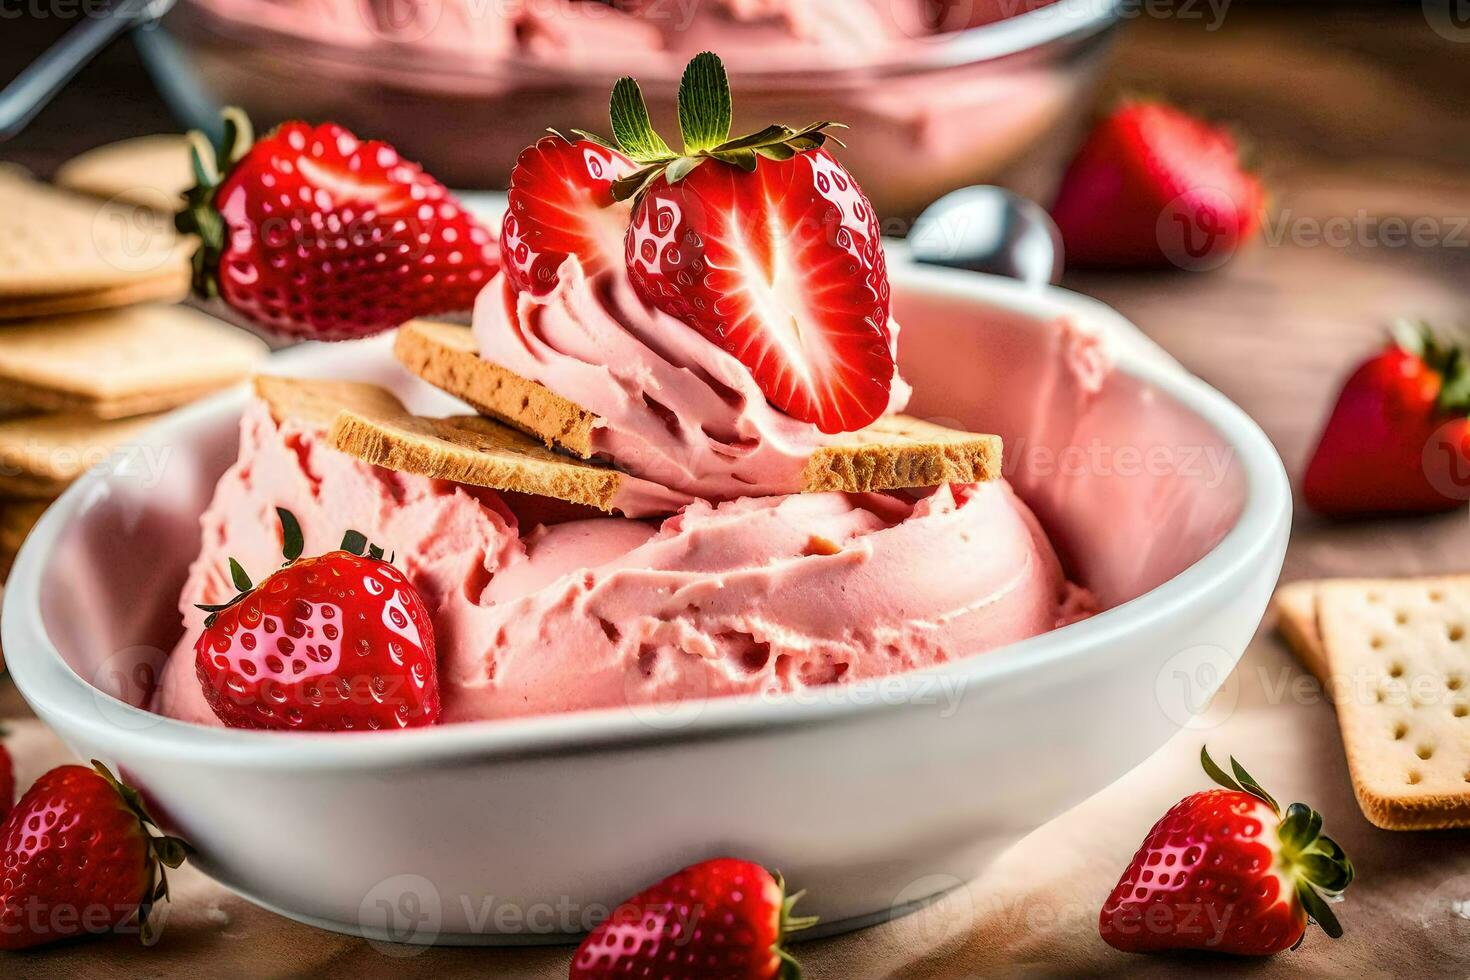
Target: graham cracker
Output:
[(446, 356), (318, 402), (62, 253), (894, 453), (17, 517), (368, 422), (41, 454), (119, 363), (159, 289), (152, 171), (1395, 656)]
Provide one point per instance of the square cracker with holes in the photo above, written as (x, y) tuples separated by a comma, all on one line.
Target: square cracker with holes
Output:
[(1395, 655)]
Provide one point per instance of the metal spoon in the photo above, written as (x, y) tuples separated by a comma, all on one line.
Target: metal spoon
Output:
[(37, 84), (989, 229)]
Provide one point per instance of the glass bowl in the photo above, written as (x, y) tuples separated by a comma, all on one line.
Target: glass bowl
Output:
[(1001, 103)]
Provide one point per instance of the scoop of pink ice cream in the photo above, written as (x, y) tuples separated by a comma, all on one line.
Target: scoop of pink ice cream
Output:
[(774, 594), (675, 409)]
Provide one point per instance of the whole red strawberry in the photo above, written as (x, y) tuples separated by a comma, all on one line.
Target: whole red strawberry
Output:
[(311, 233), (7, 778), (765, 245), (341, 642), (80, 856), (1225, 871), (1398, 439), (561, 203), (720, 920), (1154, 187)]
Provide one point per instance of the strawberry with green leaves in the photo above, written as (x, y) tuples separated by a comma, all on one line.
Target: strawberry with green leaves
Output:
[(339, 642), (313, 234), (79, 855), (764, 244), (1398, 439), (723, 919), (1225, 870)]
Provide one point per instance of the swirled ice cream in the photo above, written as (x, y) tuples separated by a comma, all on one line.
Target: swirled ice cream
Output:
[(674, 408), (541, 609)]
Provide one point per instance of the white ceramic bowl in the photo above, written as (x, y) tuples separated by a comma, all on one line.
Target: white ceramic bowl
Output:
[(873, 796)]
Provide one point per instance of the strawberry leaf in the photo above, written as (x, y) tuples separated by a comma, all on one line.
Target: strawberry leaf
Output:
[(774, 133), (237, 136), (601, 141), (1300, 827), (704, 104), (238, 576), (779, 152), (354, 542), (1215, 772), (292, 542), (744, 159), (1251, 786), (1408, 336), (681, 168), (1318, 909), (631, 126)]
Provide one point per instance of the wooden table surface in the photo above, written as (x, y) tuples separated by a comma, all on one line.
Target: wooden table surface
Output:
[(1358, 115)]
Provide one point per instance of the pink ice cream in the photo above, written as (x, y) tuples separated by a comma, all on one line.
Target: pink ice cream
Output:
[(675, 409), (662, 33), (757, 595)]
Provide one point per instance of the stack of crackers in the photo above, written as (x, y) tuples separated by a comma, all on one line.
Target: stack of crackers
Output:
[(1393, 656), (91, 347)]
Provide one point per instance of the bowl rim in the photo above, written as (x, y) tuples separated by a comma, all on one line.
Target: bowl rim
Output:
[(58, 694), (1054, 23)]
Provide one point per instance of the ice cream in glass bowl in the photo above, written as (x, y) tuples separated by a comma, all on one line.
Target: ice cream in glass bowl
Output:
[(939, 94)]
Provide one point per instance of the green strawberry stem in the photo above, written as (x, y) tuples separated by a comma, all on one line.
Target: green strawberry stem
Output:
[(790, 968), (1445, 356), (1317, 864), (163, 851), (292, 545), (211, 163), (705, 114)]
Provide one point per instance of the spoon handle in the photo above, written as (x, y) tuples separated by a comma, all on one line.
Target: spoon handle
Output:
[(37, 84)]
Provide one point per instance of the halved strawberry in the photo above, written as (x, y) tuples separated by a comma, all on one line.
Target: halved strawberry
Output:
[(561, 203), (765, 245)]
